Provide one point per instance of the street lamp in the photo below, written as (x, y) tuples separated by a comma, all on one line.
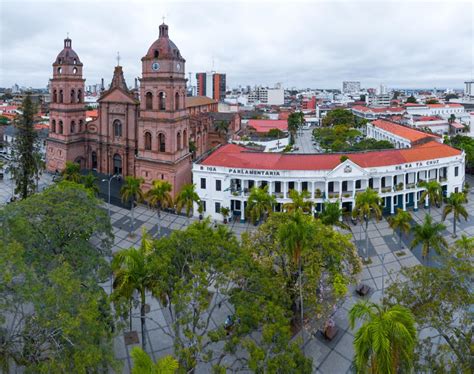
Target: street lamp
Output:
[(110, 181)]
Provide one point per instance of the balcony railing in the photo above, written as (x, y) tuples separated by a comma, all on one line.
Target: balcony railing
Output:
[(443, 179), (410, 186), (386, 189), (278, 195), (333, 195)]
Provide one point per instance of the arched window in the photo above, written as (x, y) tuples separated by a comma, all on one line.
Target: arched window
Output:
[(61, 96), (79, 96), (81, 125), (176, 101), (74, 70), (94, 160), (73, 96), (55, 96), (149, 100), (75, 62), (61, 127), (53, 125), (156, 54), (178, 140), (73, 127), (117, 128), (60, 70), (162, 101), (147, 141), (185, 139), (162, 142), (117, 164)]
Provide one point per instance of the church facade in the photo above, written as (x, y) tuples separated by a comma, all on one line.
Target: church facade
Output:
[(143, 134)]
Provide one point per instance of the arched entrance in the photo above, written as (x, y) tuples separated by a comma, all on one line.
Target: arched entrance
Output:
[(81, 161), (94, 160), (117, 164)]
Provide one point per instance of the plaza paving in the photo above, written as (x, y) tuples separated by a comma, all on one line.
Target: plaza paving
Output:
[(328, 357)]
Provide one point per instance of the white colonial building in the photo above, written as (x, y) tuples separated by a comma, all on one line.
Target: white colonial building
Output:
[(225, 177)]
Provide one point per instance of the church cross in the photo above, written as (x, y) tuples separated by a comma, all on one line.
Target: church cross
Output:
[(163, 18), (118, 58)]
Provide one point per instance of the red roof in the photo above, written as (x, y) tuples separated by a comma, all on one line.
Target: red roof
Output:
[(392, 109), (457, 125), (265, 125), (235, 156), (428, 118), (402, 131), (453, 105), (92, 113)]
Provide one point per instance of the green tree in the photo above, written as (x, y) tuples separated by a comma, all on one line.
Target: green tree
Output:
[(386, 340), (132, 191), (259, 204), (159, 196), (143, 364), (367, 206), (411, 100), (221, 127), (433, 192), (186, 199), (339, 117), (332, 214), (432, 101), (299, 202), (24, 167), (90, 182), (401, 222), (72, 172), (429, 235), (455, 205), (275, 133), (295, 121), (134, 270)]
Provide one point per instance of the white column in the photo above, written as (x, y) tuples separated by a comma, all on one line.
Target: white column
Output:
[(404, 201), (311, 189), (392, 204), (242, 211), (340, 190), (415, 200), (285, 188), (326, 190)]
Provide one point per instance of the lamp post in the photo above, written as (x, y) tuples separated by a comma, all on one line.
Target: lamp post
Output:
[(110, 181)]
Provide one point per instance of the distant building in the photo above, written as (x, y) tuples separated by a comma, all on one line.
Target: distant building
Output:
[(469, 89), (350, 87), (267, 96), (211, 84)]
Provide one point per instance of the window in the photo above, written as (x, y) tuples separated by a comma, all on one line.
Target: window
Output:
[(149, 100), (81, 125), (55, 96), (203, 183), (162, 142), (161, 101), (117, 164), (73, 127), (358, 184), (185, 139), (178, 140), (61, 128), (61, 96), (395, 200), (176, 101), (74, 70), (156, 54), (456, 171), (218, 185), (79, 96), (117, 128), (60, 70), (203, 204), (73, 96), (75, 62), (53, 125), (94, 160), (147, 141), (407, 198), (218, 207)]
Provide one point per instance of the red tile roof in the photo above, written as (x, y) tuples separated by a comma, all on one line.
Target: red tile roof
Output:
[(92, 113), (457, 125), (235, 156), (393, 109), (402, 131), (452, 105), (265, 125)]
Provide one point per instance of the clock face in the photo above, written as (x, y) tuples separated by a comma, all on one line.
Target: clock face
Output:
[(178, 67), (155, 66)]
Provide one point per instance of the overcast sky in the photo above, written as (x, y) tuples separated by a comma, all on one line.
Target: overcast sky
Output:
[(298, 43)]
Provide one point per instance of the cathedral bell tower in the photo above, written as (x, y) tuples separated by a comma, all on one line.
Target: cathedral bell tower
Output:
[(163, 124), (67, 111)]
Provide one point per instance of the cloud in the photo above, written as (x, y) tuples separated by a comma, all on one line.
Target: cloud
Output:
[(301, 44)]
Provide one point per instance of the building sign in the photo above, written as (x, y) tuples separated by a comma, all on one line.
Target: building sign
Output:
[(263, 173), (417, 164)]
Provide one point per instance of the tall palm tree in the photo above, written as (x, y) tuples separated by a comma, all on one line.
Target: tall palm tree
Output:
[(186, 199), (433, 191), (90, 182), (143, 364), (455, 205), (299, 202), (221, 127), (259, 203), (132, 191), (367, 205), (295, 235), (386, 340), (429, 235), (133, 270), (331, 215), (401, 222), (72, 172), (159, 196)]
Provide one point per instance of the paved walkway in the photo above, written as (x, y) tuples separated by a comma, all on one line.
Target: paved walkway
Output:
[(328, 357)]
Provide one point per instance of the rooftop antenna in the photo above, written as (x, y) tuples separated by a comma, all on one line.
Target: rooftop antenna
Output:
[(163, 18), (118, 58)]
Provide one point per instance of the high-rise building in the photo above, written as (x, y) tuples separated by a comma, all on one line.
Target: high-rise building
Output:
[(350, 86), (267, 96), (211, 84), (469, 89)]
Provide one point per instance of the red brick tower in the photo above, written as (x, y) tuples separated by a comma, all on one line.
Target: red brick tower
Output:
[(67, 111), (163, 124)]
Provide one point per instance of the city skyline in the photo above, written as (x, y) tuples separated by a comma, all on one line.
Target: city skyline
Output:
[(310, 44)]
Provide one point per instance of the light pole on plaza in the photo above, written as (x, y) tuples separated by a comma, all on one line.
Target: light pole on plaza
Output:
[(110, 181)]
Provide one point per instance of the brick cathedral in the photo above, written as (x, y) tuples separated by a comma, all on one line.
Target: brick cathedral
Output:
[(143, 134)]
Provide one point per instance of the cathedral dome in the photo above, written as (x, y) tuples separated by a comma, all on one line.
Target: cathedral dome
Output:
[(163, 47), (68, 55)]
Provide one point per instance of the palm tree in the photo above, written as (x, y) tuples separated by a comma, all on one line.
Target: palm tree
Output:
[(295, 235), (433, 191), (429, 235), (143, 364), (401, 222), (299, 202), (295, 120), (466, 190), (72, 172), (386, 340), (89, 182), (367, 205), (186, 199), (225, 211), (221, 127), (259, 203), (331, 215), (132, 191), (133, 270), (159, 196), (454, 204)]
